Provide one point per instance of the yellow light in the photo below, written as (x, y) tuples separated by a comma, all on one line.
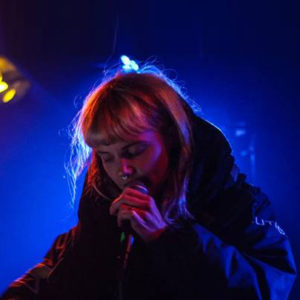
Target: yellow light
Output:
[(9, 95), (1, 76), (3, 86)]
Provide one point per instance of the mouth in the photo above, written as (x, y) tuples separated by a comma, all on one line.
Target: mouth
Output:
[(142, 182)]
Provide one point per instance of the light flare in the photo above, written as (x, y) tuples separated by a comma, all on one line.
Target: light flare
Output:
[(9, 95)]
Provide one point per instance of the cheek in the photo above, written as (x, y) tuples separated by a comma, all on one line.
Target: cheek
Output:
[(162, 165), (109, 170), (156, 164)]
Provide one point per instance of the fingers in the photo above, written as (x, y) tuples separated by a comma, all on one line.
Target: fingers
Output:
[(131, 198), (136, 193), (128, 213), (141, 211), (124, 214), (139, 223), (128, 200)]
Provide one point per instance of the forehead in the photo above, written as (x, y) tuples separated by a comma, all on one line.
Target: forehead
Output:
[(147, 136)]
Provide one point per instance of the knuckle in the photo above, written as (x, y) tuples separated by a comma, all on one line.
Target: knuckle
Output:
[(151, 203), (124, 207), (148, 198), (146, 215)]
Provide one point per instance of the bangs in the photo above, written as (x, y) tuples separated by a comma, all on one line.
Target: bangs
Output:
[(118, 118)]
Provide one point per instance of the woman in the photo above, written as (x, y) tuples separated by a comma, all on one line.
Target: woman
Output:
[(166, 177)]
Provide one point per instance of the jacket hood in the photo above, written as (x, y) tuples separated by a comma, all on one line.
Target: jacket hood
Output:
[(212, 164)]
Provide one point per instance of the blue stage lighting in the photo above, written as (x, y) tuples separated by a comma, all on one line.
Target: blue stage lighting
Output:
[(125, 60), (128, 64), (240, 132)]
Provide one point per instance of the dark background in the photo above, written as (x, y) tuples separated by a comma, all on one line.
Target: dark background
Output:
[(238, 59)]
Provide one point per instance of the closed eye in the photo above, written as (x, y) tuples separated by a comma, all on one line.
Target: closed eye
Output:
[(105, 157), (130, 151), (135, 150)]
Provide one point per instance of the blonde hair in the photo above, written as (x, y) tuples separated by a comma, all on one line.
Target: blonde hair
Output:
[(145, 100)]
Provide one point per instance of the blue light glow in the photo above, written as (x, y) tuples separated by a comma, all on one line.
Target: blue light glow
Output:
[(125, 60), (128, 64), (240, 132)]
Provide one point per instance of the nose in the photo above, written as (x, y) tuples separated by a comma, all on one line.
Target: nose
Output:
[(125, 168)]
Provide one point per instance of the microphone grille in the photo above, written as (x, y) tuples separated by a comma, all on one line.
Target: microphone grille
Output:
[(139, 186)]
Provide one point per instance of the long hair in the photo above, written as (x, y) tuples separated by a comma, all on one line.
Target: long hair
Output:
[(147, 100)]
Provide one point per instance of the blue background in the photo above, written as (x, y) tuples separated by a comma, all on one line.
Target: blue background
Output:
[(239, 60)]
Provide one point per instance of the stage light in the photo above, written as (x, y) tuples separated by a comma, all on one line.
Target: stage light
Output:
[(128, 64), (3, 86), (134, 65), (125, 60), (13, 85), (9, 95)]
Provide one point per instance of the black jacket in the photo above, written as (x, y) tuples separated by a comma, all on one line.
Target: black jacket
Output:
[(235, 249)]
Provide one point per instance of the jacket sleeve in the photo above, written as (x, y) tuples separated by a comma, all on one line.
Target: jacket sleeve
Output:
[(252, 260), (32, 283)]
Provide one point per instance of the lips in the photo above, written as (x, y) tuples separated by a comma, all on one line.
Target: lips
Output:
[(144, 182)]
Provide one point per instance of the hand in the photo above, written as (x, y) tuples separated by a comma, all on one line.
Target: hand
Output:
[(141, 211)]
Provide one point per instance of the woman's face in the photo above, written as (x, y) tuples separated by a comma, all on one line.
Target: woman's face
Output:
[(141, 157)]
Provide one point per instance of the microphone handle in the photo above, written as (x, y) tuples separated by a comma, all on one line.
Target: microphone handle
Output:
[(127, 231), (129, 239)]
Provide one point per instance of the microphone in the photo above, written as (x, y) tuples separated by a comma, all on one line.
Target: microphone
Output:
[(127, 236), (139, 186)]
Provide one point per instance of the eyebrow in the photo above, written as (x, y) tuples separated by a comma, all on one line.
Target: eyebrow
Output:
[(125, 147)]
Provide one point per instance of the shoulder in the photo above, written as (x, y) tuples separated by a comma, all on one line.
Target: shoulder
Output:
[(243, 216), (61, 244), (235, 208), (29, 285)]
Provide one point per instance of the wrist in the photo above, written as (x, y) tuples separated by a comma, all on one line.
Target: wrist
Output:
[(155, 235)]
